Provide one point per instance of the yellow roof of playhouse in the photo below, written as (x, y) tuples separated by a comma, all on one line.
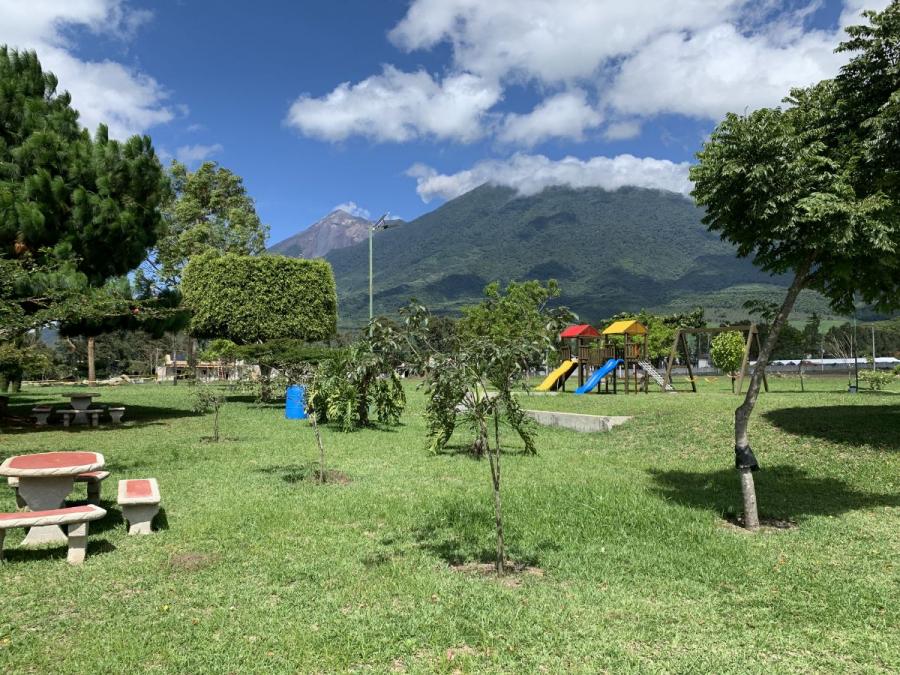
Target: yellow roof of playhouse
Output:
[(630, 327)]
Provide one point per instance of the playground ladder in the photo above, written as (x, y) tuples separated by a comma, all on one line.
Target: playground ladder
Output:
[(651, 371)]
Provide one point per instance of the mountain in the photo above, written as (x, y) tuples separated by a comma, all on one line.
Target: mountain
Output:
[(338, 229), (611, 251)]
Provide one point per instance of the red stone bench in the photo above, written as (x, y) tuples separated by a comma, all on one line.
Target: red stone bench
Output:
[(76, 517), (92, 478), (139, 499)]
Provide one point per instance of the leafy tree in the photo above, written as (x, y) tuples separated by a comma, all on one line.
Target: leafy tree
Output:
[(727, 353), (209, 209), (812, 338), (813, 190)]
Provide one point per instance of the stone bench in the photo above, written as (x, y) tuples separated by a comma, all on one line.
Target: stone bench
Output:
[(76, 517), (139, 499), (41, 414), (115, 414), (93, 414), (92, 478)]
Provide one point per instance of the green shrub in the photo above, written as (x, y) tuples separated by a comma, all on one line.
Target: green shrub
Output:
[(252, 299), (876, 379)]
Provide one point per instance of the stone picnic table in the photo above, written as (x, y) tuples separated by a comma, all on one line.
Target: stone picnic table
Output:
[(81, 401), (45, 479)]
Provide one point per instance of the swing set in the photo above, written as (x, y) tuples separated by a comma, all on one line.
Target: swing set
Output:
[(680, 347)]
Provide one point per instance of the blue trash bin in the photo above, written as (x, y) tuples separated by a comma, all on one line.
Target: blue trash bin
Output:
[(295, 403)]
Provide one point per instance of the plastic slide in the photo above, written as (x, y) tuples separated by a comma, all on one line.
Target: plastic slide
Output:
[(598, 375), (563, 371)]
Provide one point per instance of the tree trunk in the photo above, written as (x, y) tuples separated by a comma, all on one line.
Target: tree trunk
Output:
[(744, 460), (191, 359), (174, 360), (265, 383), (92, 372), (495, 484), (312, 417), (362, 406), (216, 426)]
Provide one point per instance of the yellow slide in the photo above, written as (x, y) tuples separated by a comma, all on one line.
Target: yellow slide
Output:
[(562, 373)]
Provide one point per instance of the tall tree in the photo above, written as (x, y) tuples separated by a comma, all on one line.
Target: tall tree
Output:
[(813, 190), (75, 210), (209, 209)]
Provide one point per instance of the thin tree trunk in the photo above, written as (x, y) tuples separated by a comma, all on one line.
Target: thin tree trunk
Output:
[(321, 447), (191, 359), (216, 426), (174, 360), (495, 483), (92, 372), (744, 460)]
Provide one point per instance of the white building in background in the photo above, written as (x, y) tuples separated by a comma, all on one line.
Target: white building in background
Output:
[(881, 363), (207, 371)]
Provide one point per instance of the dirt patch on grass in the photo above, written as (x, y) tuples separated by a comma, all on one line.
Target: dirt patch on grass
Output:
[(736, 523), (331, 476), (191, 562), (513, 577)]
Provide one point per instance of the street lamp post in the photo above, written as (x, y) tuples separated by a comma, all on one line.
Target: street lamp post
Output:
[(380, 224)]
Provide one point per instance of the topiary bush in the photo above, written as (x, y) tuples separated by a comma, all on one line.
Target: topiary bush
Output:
[(252, 299)]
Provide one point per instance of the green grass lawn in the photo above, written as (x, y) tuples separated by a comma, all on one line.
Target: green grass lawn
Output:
[(258, 569)]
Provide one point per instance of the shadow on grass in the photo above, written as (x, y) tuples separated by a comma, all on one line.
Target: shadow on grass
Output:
[(19, 420), (854, 425), (784, 492), (94, 548), (253, 401), (305, 473), (460, 532)]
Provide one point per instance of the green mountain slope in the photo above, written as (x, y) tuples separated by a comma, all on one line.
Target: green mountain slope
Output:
[(611, 251)]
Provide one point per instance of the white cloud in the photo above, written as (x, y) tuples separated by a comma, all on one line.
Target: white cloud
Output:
[(565, 115), (126, 100), (353, 209), (699, 58), (188, 154), (529, 174), (551, 40), (398, 106), (719, 70), (620, 131)]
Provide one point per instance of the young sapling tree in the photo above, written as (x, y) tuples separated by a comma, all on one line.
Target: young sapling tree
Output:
[(727, 353)]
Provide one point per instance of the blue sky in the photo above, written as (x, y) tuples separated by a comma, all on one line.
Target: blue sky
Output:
[(397, 105)]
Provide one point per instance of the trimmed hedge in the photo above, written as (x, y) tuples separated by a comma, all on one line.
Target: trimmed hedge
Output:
[(250, 299)]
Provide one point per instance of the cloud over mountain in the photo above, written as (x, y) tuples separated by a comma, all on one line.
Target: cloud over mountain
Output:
[(530, 174)]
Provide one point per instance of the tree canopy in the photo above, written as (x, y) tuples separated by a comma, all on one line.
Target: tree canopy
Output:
[(209, 209), (250, 299), (91, 201)]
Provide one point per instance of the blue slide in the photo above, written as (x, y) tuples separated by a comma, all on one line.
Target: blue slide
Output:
[(598, 375)]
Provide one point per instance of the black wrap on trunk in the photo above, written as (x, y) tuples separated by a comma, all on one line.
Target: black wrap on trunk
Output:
[(744, 459)]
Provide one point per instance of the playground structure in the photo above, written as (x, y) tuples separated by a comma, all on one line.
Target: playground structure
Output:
[(680, 345), (597, 357)]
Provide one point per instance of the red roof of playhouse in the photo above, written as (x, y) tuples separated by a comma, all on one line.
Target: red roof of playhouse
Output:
[(581, 330)]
